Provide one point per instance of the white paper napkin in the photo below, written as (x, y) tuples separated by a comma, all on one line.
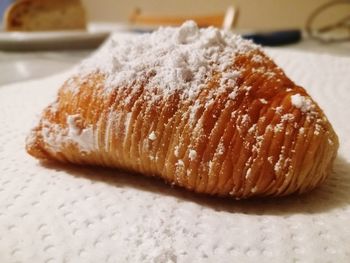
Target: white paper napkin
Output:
[(59, 213)]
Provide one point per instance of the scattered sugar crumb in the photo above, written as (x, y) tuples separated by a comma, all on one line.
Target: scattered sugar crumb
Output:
[(210, 165), (270, 159), (176, 151), (254, 189), (263, 101), (233, 95), (270, 74), (245, 118), (152, 136), (287, 117), (279, 109), (302, 103), (248, 173), (257, 58), (259, 70), (252, 129), (221, 149), (278, 128), (84, 138), (317, 129), (229, 78), (278, 165), (247, 88), (192, 154), (180, 163), (269, 128)]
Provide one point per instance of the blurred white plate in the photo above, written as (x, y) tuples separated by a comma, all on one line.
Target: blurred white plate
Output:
[(95, 34)]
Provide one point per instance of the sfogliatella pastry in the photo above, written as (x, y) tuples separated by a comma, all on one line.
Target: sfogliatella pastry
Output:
[(45, 15), (199, 108)]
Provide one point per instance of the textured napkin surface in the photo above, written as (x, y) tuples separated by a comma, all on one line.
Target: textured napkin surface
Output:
[(59, 213)]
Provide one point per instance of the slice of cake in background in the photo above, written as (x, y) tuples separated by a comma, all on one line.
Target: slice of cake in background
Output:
[(45, 15)]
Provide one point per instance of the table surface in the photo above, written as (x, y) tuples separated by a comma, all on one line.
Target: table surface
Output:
[(20, 66)]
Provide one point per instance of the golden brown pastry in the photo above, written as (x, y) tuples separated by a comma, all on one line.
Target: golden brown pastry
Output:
[(200, 108), (44, 15)]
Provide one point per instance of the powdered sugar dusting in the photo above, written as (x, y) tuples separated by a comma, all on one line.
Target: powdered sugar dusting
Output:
[(56, 136), (192, 154), (152, 136), (304, 104), (176, 151), (263, 101), (84, 138), (179, 58), (52, 135)]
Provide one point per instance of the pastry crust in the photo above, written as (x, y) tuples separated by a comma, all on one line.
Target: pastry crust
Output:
[(259, 136), (45, 15)]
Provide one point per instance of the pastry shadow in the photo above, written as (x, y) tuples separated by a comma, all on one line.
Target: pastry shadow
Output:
[(334, 193)]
